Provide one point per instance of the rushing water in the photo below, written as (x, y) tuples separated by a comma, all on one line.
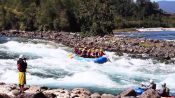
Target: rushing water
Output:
[(48, 65), (161, 35)]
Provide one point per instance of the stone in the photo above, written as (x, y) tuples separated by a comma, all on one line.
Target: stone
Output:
[(4, 96), (150, 93), (128, 92), (15, 92), (33, 89), (107, 96), (39, 95), (2, 83), (95, 95), (59, 93), (80, 93)]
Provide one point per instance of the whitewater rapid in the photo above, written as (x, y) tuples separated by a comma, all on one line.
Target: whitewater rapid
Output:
[(48, 65)]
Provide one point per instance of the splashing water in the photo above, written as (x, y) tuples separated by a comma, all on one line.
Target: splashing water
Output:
[(48, 65)]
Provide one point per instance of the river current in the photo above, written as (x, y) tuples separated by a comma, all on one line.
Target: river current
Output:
[(49, 65), (159, 35)]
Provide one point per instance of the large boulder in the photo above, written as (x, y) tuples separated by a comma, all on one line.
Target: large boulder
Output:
[(128, 92), (59, 93), (39, 95), (150, 93), (4, 96), (96, 95), (80, 93), (107, 96)]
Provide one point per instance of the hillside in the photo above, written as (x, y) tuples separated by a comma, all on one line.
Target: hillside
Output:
[(168, 6)]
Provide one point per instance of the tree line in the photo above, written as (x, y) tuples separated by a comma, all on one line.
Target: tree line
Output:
[(89, 17)]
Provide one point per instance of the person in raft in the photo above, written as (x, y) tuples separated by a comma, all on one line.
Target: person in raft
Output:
[(165, 91), (22, 66), (152, 85)]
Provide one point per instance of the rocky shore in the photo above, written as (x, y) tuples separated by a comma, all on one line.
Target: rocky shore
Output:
[(12, 91), (161, 50)]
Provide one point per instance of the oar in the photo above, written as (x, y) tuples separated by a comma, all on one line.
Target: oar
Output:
[(70, 56), (108, 58)]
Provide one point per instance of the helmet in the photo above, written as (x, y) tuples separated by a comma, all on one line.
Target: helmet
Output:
[(142, 83), (21, 56), (151, 81)]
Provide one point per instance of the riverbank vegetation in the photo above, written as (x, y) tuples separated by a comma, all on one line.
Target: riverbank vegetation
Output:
[(89, 17)]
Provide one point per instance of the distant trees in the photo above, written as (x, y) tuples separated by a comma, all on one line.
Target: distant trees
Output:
[(89, 17)]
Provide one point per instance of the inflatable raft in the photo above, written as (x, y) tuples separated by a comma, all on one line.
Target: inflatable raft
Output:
[(99, 60), (139, 91)]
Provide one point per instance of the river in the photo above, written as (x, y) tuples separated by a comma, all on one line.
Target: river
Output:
[(48, 65), (160, 35)]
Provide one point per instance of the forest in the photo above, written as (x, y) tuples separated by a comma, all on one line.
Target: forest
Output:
[(87, 17)]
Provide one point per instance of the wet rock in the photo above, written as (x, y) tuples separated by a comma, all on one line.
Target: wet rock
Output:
[(128, 92), (96, 95), (107, 96), (150, 93), (80, 92)]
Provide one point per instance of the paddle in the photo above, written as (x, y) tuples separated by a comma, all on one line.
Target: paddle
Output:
[(108, 58), (70, 56)]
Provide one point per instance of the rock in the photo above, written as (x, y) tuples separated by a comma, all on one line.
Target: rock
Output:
[(2, 83), (128, 92), (43, 88), (24, 95), (15, 92), (107, 96), (95, 95), (150, 93), (39, 95), (125, 97), (80, 92), (33, 89), (52, 96), (59, 93), (4, 96), (13, 87)]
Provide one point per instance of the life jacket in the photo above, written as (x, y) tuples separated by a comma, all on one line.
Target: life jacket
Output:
[(101, 53), (84, 53), (165, 92), (79, 51), (92, 53), (76, 50), (96, 53), (89, 53), (22, 66)]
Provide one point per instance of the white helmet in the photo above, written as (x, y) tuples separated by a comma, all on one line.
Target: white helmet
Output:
[(21, 56), (142, 83), (151, 81)]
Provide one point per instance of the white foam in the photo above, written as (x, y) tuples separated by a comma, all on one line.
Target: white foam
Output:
[(121, 72), (89, 78)]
